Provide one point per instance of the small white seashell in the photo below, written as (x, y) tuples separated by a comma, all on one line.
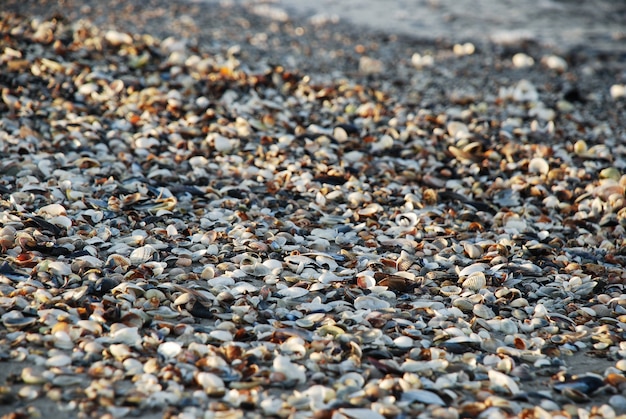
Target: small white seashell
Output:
[(554, 62), (142, 254), (502, 381), (170, 349), (521, 60), (293, 292), (473, 251), (618, 91), (449, 290), (368, 302), (403, 342), (116, 38), (211, 383), (222, 144), (120, 351), (52, 210), (473, 268), (538, 165), (127, 335), (475, 281), (422, 396), (458, 130), (60, 360), (291, 371)]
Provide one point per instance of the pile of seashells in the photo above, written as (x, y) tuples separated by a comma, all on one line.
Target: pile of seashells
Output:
[(187, 234)]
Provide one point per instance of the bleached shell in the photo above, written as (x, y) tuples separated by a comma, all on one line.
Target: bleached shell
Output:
[(170, 349), (473, 268), (116, 38), (502, 381), (422, 396), (449, 290), (120, 351), (370, 209), (407, 219), (142, 254), (127, 335), (352, 379), (403, 342), (56, 267), (60, 360), (538, 165), (292, 372), (52, 210), (475, 281), (211, 383), (367, 302), (473, 251), (293, 292)]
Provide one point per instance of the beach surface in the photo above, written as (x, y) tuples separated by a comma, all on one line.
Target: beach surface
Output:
[(352, 210)]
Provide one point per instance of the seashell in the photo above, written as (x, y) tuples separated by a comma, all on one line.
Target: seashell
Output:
[(127, 335), (293, 292), (291, 372), (473, 251), (169, 349), (538, 165), (120, 351), (521, 60), (16, 321), (422, 396), (617, 91), (142, 254), (503, 383), (403, 342), (449, 290), (116, 38), (475, 281), (482, 311), (407, 219), (463, 304), (212, 384), (33, 376), (58, 361), (52, 210), (458, 130), (367, 302), (370, 210), (28, 393), (473, 268), (586, 384)]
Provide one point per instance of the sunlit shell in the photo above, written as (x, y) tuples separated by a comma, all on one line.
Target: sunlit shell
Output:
[(142, 254), (475, 281)]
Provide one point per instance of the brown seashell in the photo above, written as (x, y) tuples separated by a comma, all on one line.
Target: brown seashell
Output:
[(615, 379)]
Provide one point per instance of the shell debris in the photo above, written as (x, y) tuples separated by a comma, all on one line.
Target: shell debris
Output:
[(258, 221)]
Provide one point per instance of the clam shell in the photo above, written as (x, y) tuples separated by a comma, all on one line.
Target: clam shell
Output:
[(475, 281)]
